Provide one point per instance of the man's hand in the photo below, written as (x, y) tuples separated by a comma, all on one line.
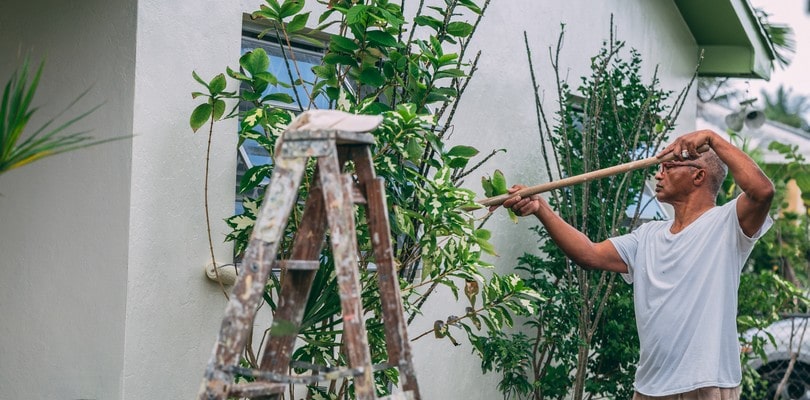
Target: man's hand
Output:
[(685, 147), (522, 206)]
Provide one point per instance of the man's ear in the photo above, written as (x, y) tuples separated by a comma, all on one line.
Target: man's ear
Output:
[(701, 177)]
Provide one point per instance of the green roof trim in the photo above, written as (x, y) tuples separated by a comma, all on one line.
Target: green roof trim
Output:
[(733, 41)]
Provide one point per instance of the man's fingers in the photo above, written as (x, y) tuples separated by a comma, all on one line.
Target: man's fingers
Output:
[(510, 202)]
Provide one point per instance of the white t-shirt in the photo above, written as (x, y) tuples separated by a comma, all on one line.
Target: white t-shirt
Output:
[(685, 295)]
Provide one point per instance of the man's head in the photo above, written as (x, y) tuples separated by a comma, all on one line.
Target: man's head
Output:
[(677, 179)]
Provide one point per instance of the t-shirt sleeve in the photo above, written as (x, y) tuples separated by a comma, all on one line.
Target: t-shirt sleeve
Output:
[(744, 242), (626, 246)]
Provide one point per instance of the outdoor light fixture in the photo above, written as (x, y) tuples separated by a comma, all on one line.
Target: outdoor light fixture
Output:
[(750, 118)]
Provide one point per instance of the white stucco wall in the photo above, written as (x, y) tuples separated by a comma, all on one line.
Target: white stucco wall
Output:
[(102, 250), (64, 220), (173, 311)]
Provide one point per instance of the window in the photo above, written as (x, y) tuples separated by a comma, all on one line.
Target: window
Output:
[(251, 153)]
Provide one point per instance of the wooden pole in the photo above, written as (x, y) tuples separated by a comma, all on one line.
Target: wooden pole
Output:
[(582, 178)]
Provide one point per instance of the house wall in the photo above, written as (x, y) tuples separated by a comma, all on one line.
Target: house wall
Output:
[(103, 294), (173, 310), (64, 219)]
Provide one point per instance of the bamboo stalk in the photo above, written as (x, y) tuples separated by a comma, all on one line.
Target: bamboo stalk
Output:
[(582, 178)]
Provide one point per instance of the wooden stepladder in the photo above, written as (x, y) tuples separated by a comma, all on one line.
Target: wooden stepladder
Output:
[(333, 137)]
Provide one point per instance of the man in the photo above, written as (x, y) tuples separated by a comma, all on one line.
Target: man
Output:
[(685, 272)]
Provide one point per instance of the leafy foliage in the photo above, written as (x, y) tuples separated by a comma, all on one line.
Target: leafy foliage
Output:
[(377, 64), (781, 36), (785, 107)]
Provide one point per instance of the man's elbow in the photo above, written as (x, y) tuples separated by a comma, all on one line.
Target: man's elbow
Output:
[(587, 267), (764, 193)]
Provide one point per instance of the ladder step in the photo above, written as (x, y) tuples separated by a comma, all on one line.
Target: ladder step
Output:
[(299, 265), (358, 197), (255, 389)]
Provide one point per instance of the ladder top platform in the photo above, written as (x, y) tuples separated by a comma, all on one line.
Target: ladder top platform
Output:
[(333, 124)]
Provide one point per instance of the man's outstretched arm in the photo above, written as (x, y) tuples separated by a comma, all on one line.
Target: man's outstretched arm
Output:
[(573, 243)]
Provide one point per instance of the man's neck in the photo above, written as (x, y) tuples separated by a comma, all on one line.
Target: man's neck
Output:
[(689, 210)]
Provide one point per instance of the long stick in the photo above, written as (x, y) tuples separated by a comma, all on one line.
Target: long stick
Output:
[(582, 178)]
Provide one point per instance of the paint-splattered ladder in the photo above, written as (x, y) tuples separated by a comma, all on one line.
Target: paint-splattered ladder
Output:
[(334, 138)]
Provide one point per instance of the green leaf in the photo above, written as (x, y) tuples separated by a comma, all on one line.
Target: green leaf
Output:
[(199, 116), (339, 59), (483, 234), (324, 72), (459, 29), (498, 183), (290, 7), (342, 44), (298, 22), (447, 59), (458, 162), (382, 38), (471, 6), (253, 177), (250, 96), (463, 151), (267, 77), (450, 73), (372, 77), (255, 61), (486, 183), (424, 20), (217, 84), (219, 109), (512, 215), (198, 79), (414, 150), (356, 14), (280, 97), (236, 75)]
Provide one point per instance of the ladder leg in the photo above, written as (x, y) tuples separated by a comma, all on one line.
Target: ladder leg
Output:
[(396, 334), (257, 264), (339, 210), (296, 285)]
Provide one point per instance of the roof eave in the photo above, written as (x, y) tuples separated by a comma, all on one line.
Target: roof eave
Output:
[(733, 41)]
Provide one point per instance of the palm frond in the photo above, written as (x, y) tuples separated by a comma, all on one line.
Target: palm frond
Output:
[(15, 113), (781, 36)]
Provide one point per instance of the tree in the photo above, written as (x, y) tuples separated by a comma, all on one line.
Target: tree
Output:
[(788, 108)]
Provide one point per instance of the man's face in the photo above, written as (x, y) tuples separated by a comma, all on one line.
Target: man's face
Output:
[(675, 179)]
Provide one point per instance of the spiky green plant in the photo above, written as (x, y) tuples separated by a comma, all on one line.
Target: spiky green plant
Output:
[(50, 139)]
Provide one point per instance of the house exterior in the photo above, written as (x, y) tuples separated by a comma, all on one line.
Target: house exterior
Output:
[(102, 250)]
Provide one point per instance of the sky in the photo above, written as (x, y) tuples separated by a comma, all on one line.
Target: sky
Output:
[(797, 75)]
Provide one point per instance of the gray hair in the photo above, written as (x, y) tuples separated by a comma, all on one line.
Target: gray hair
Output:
[(716, 169)]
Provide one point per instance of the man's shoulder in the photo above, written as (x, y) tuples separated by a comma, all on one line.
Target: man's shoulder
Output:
[(654, 225)]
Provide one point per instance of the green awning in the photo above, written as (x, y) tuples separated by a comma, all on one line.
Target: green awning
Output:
[(733, 41)]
